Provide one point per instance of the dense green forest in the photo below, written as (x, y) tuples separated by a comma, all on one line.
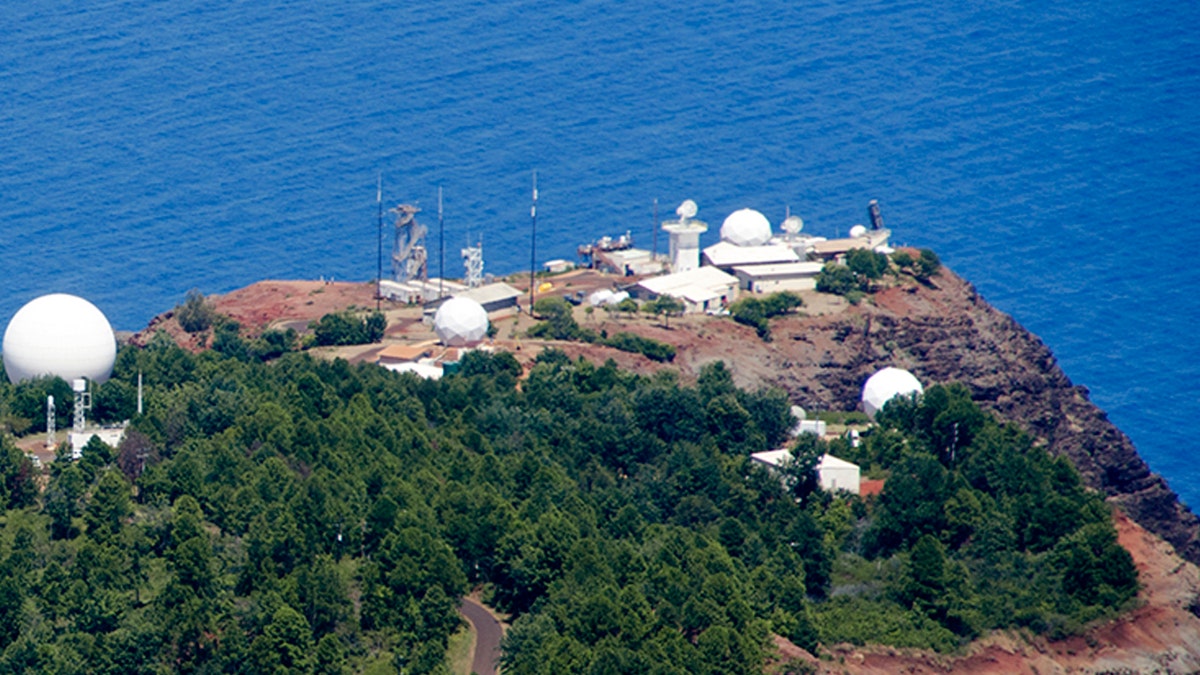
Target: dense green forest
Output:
[(306, 516)]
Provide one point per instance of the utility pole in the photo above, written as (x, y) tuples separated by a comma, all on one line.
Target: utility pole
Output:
[(379, 242), (533, 245)]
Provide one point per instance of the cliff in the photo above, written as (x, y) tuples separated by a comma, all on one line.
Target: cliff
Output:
[(943, 332)]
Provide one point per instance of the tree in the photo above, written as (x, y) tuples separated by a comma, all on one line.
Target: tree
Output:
[(836, 279), (196, 314), (108, 507), (285, 646), (665, 306), (866, 263), (927, 265)]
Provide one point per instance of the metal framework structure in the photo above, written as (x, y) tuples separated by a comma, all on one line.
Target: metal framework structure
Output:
[(473, 264), (410, 259), (51, 419)]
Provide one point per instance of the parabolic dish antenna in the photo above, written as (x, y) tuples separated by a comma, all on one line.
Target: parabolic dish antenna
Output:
[(687, 209), (792, 225)]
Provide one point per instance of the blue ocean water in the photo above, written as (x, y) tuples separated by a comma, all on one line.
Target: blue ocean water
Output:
[(1049, 153)]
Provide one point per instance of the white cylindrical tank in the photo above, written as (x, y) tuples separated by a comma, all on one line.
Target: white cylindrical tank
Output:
[(59, 334), (746, 227), (885, 385), (460, 321)]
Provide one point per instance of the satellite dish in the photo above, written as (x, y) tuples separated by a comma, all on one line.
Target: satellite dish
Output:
[(687, 209), (792, 225)]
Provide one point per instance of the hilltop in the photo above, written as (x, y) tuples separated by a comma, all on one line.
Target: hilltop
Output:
[(944, 332)]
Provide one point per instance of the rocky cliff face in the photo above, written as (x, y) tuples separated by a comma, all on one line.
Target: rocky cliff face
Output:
[(943, 332), (948, 333)]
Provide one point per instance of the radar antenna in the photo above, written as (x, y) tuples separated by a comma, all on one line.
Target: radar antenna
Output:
[(687, 210), (792, 225), (409, 256)]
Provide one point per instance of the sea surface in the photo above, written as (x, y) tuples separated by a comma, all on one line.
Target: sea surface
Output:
[(1049, 152)]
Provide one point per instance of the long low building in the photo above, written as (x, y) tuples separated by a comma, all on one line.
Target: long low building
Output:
[(727, 256), (795, 276), (702, 289)]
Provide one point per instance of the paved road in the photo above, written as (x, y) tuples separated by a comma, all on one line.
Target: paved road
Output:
[(487, 637)]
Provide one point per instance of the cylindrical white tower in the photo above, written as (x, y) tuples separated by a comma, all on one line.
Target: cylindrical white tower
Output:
[(685, 237)]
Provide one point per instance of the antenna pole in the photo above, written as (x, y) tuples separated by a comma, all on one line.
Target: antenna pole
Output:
[(378, 242), (441, 247), (654, 234), (533, 244)]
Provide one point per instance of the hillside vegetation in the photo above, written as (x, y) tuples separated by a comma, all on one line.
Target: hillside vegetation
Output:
[(316, 517)]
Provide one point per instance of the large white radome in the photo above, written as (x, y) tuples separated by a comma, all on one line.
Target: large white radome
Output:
[(886, 385), (746, 227), (460, 321), (59, 334)]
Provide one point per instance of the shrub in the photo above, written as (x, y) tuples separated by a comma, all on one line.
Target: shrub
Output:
[(636, 344), (343, 328), (195, 314)]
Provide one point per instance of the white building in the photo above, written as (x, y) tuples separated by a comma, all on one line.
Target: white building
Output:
[(726, 256), (833, 473), (685, 237), (793, 276), (700, 289)]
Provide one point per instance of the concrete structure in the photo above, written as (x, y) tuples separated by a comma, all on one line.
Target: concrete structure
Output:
[(746, 227), (701, 289), (726, 256), (796, 276), (628, 262), (685, 238), (885, 385), (59, 334), (834, 248), (111, 436), (460, 321), (833, 473), (396, 354), (493, 297), (417, 291), (558, 266)]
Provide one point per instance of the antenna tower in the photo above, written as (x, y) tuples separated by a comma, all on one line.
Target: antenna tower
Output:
[(533, 245), (378, 260), (51, 420), (83, 403), (654, 237), (409, 257), (441, 247), (473, 262)]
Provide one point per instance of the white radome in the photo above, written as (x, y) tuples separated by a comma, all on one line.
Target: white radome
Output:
[(886, 385), (460, 321), (858, 231), (59, 334), (746, 227)]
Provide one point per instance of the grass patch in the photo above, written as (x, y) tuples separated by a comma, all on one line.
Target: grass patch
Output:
[(461, 651)]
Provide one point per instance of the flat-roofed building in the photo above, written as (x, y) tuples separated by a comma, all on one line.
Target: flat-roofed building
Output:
[(701, 289), (834, 248), (794, 276), (726, 256)]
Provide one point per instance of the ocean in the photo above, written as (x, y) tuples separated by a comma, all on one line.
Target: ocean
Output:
[(1048, 153)]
